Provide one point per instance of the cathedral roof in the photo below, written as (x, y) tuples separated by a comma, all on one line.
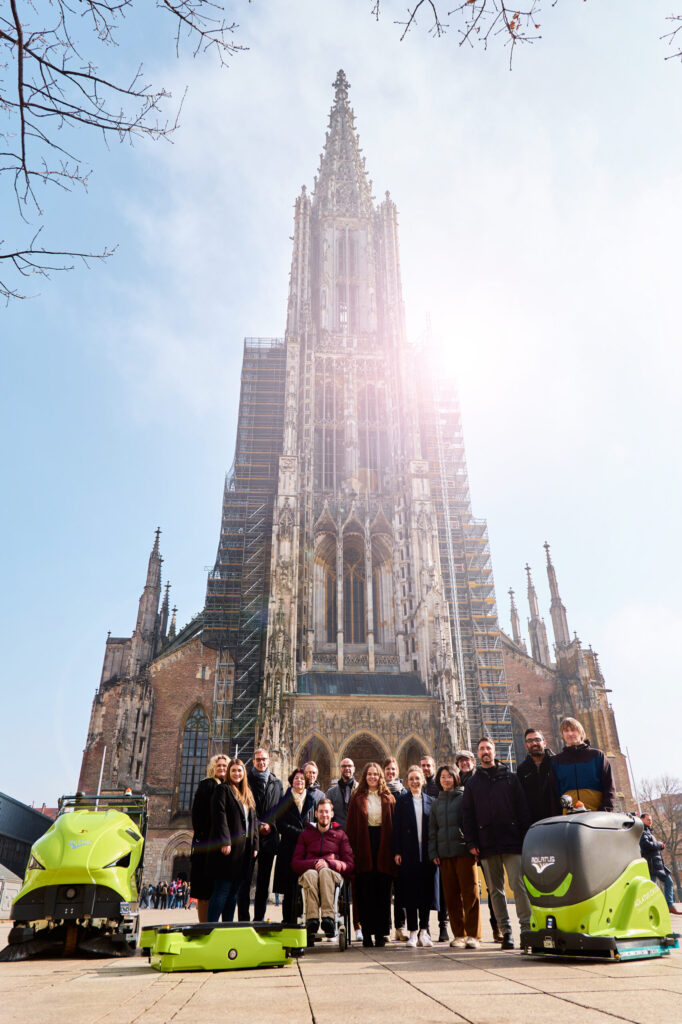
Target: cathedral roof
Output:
[(342, 187), (347, 684)]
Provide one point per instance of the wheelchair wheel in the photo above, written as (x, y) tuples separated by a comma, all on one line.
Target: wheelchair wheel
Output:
[(342, 939)]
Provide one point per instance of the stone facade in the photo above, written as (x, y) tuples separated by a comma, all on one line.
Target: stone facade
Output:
[(351, 610)]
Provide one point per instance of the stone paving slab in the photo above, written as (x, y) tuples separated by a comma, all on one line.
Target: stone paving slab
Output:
[(361, 986)]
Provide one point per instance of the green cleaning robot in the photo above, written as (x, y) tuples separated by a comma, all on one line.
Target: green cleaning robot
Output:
[(80, 891), (590, 890)]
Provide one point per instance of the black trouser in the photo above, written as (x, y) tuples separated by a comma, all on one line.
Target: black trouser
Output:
[(418, 914), (262, 864), (373, 892), (290, 903)]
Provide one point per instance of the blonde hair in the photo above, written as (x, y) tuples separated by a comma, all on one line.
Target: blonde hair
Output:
[(415, 768), (213, 763), (572, 723)]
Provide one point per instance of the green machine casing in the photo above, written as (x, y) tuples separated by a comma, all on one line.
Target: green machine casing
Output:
[(222, 947)]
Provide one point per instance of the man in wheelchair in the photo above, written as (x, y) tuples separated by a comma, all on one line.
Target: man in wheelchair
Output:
[(322, 859)]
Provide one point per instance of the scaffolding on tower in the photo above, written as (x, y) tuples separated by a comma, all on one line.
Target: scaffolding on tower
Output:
[(465, 566), (236, 610)]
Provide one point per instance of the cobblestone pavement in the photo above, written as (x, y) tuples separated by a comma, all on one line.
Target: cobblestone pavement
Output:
[(361, 986)]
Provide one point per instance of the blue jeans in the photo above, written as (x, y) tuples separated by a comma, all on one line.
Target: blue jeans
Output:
[(223, 899), (668, 887)]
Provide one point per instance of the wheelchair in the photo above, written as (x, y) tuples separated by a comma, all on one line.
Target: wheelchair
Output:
[(342, 916)]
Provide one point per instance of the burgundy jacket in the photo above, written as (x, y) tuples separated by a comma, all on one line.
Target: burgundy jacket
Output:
[(357, 826), (332, 846)]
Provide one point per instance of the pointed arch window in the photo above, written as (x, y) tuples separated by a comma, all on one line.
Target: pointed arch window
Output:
[(193, 758), (354, 624)]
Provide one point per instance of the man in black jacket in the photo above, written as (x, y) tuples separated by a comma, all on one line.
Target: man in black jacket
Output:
[(494, 821), (535, 776), (268, 793), (652, 849)]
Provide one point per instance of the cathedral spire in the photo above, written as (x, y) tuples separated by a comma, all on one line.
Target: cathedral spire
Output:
[(515, 623), (539, 647), (557, 610), (143, 643), (163, 617), (342, 187)]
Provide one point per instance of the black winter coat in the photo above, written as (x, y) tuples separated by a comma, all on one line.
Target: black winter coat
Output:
[(418, 879), (650, 848), (201, 810), (536, 781), (494, 811), (228, 828), (268, 798), (290, 824), (446, 838)]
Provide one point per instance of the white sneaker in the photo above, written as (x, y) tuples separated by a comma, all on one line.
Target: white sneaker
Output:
[(458, 944), (412, 941), (424, 938), (400, 935), (358, 934), (472, 943)]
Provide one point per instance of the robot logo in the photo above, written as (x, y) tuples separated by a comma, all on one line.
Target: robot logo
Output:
[(540, 863)]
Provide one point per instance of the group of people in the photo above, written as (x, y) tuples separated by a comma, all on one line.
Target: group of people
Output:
[(416, 845), (165, 896)]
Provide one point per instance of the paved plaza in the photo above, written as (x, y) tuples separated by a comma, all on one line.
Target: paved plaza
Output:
[(361, 986)]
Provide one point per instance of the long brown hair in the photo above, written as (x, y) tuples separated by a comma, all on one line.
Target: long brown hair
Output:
[(363, 788), (242, 791)]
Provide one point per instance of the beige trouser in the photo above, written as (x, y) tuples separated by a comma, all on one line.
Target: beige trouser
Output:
[(318, 888)]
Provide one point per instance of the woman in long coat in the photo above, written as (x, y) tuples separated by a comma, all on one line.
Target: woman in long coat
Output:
[(416, 871), (449, 852), (296, 809), (234, 836), (369, 827), (201, 874)]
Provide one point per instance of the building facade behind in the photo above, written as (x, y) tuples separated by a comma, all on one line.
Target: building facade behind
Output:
[(351, 610)]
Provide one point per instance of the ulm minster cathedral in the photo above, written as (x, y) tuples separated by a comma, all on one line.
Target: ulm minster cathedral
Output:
[(351, 610)]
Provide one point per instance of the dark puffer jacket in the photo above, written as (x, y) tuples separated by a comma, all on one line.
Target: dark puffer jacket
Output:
[(446, 838), (331, 845), (494, 811)]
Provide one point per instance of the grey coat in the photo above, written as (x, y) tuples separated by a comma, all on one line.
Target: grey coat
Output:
[(335, 794), (445, 825)]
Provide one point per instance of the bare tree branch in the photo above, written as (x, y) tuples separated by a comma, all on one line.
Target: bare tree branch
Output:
[(58, 91)]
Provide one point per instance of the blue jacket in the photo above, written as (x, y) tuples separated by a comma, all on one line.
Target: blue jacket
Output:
[(585, 774)]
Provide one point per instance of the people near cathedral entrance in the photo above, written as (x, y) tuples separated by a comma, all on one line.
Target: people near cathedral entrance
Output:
[(201, 863), (431, 787), (465, 763), (652, 850), (370, 830), (311, 772), (267, 793), (395, 786), (234, 837), (535, 776), (322, 859), (448, 851), (581, 771), (341, 792), (296, 810), (417, 883), (495, 820)]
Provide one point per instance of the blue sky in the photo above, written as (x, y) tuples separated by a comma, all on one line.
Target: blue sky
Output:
[(540, 224)]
